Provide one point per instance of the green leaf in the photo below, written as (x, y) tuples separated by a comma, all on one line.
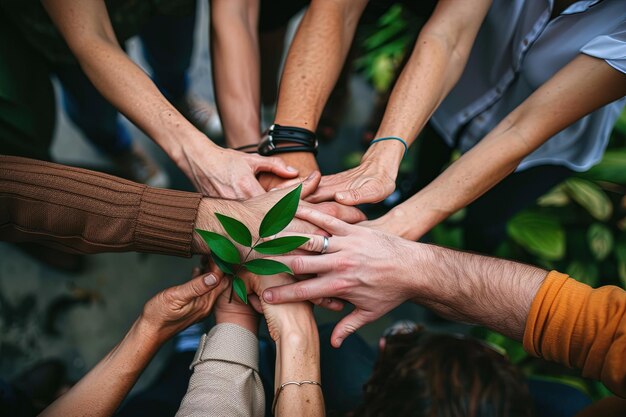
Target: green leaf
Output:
[(280, 245), (557, 197), (224, 266), (222, 247), (539, 234), (600, 241), (591, 197), (235, 229), (266, 267), (279, 216), (620, 254), (584, 272), (240, 289), (610, 168)]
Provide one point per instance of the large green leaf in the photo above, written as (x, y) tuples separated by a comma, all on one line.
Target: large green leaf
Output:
[(222, 247), (224, 266), (240, 289), (584, 272), (281, 245), (600, 241), (590, 196), (235, 229), (279, 216), (539, 234), (610, 168), (266, 267)]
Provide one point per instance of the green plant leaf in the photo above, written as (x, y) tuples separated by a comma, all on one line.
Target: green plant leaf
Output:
[(600, 241), (222, 247), (240, 289), (590, 197), (279, 216), (620, 254), (610, 168), (280, 245), (224, 266), (266, 267), (235, 229), (539, 234), (584, 272), (557, 197)]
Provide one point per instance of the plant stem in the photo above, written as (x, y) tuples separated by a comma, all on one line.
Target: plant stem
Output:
[(230, 296)]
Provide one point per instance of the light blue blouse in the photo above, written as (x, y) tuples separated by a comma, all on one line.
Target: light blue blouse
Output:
[(518, 49)]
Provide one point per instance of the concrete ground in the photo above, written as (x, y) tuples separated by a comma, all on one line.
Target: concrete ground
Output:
[(117, 285)]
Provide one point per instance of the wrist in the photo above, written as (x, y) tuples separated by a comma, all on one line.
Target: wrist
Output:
[(249, 321), (386, 153)]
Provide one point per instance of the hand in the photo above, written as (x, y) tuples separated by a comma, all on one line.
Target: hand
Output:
[(304, 162), (362, 266), (227, 173), (252, 211), (176, 308), (370, 182)]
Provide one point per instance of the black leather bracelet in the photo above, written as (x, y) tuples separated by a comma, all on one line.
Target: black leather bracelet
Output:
[(252, 148), (298, 139)]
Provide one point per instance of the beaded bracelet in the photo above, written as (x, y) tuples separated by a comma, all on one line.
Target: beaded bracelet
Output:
[(406, 147), (282, 386)]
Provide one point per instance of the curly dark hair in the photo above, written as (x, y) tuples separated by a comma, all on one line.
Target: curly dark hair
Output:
[(422, 374)]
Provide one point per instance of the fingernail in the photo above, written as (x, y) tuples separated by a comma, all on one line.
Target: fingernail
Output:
[(339, 341), (210, 280), (268, 296), (292, 169), (340, 196), (274, 189)]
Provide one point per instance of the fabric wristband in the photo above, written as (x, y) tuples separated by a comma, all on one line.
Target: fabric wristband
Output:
[(406, 147)]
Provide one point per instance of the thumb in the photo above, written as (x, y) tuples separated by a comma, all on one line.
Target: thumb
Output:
[(367, 193), (347, 326), (197, 287), (274, 165), (310, 183)]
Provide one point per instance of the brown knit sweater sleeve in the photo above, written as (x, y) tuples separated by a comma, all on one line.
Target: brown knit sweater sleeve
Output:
[(83, 211)]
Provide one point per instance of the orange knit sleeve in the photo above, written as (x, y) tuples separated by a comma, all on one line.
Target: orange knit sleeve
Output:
[(576, 325)]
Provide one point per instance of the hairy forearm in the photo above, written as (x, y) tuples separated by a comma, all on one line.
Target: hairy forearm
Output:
[(315, 60), (236, 68), (101, 391), (476, 289)]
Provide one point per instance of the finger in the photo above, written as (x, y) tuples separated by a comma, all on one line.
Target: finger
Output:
[(196, 287), (328, 303), (314, 244), (310, 183), (289, 184), (307, 264), (347, 326), (255, 302), (331, 224), (348, 214), (274, 165), (325, 191), (300, 291), (367, 193)]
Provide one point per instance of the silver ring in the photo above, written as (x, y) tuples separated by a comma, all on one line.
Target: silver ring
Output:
[(324, 245)]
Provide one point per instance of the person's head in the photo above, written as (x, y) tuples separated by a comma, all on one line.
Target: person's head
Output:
[(439, 375)]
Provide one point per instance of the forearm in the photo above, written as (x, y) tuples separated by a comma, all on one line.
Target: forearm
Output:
[(581, 87), (87, 29), (298, 359), (315, 60), (475, 289), (85, 211), (101, 391), (236, 68)]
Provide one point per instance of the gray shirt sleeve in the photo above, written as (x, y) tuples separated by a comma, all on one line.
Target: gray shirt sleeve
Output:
[(225, 380)]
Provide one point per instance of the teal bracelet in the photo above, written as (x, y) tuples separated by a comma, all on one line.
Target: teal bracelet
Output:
[(406, 147)]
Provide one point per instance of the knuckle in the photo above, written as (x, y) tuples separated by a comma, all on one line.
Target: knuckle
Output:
[(344, 264), (355, 194), (298, 264), (301, 292)]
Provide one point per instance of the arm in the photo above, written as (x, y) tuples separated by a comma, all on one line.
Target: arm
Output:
[(581, 87), (313, 64), (236, 68), (436, 64), (101, 391), (86, 27), (558, 318)]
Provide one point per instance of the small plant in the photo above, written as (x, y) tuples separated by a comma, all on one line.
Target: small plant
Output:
[(226, 256)]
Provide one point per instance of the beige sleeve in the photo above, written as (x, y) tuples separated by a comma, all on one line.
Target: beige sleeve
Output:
[(225, 380)]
